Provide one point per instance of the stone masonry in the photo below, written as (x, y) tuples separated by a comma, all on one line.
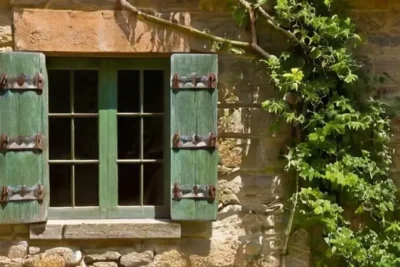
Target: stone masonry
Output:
[(252, 184)]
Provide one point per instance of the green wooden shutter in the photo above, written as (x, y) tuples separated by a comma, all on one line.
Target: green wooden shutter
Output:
[(194, 154), (24, 182)]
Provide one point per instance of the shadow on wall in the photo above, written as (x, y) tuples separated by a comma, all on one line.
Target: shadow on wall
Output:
[(145, 37), (251, 176)]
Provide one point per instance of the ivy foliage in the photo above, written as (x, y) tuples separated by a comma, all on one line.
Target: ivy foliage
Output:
[(341, 154)]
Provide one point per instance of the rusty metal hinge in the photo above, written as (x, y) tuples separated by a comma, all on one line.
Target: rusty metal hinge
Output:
[(209, 81), (22, 82), (21, 142), (207, 192), (21, 193), (194, 141)]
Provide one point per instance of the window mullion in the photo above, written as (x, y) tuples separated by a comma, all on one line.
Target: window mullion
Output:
[(108, 190), (141, 93), (72, 98)]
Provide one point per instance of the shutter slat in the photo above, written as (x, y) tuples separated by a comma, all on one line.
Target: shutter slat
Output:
[(193, 112), (24, 113)]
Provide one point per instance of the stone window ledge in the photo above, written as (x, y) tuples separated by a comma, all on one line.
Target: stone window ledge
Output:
[(105, 229)]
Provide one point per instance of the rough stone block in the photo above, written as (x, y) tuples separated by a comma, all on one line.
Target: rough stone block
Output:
[(49, 230), (6, 230), (14, 249), (21, 229), (135, 259), (5, 28), (109, 229), (221, 25), (381, 4), (101, 255), (261, 189), (197, 229), (4, 261), (33, 250), (98, 31), (105, 264), (360, 4)]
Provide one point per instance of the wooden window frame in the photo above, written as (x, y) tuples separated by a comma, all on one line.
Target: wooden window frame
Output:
[(108, 150)]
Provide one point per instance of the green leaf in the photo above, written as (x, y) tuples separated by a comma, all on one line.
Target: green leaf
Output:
[(313, 137), (315, 53), (351, 78)]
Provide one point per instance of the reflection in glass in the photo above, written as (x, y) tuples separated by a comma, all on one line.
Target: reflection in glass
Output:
[(86, 138), (128, 184), (85, 91), (59, 91), (128, 138), (59, 138), (153, 184), (153, 138), (128, 91), (153, 91), (60, 186), (86, 185)]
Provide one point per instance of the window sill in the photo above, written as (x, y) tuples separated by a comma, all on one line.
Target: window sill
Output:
[(105, 229)]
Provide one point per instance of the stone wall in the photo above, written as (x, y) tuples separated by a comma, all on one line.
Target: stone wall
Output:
[(251, 180), (252, 184)]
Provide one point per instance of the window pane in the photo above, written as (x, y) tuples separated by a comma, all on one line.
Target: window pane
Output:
[(85, 91), (128, 184), (59, 138), (86, 138), (153, 184), (86, 185), (128, 138), (60, 186), (128, 91), (153, 138), (59, 91), (153, 91)]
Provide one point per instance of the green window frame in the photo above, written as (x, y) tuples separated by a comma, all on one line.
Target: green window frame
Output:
[(108, 115)]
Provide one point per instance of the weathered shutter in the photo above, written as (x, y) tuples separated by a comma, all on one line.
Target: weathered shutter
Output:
[(194, 154), (24, 182)]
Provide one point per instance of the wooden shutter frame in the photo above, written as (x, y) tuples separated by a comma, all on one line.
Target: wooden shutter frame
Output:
[(194, 151), (24, 177)]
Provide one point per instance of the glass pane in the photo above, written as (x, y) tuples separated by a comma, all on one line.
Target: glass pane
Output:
[(86, 138), (153, 91), (86, 185), (153, 138), (59, 91), (128, 184), (128, 91), (153, 184), (60, 186), (60, 138), (85, 91), (128, 138)]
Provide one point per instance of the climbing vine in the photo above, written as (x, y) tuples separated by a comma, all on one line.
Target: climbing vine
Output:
[(341, 151), (340, 154)]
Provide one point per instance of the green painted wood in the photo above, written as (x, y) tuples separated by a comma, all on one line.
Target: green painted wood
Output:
[(104, 192), (24, 113), (112, 142), (138, 212), (193, 112)]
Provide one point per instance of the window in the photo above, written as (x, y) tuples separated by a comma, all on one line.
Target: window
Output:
[(124, 138), (108, 128)]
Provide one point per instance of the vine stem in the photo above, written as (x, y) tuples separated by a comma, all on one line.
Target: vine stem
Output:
[(290, 223), (192, 31), (272, 22)]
